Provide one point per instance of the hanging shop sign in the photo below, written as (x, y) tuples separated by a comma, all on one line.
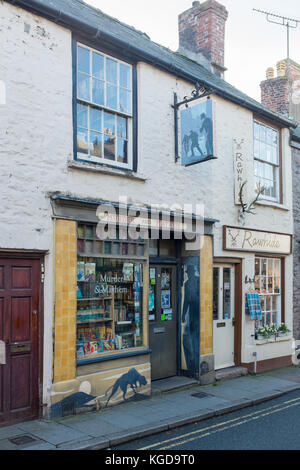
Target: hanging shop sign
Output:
[(196, 127), (238, 239)]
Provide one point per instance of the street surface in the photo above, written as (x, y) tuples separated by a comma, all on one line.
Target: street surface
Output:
[(273, 425)]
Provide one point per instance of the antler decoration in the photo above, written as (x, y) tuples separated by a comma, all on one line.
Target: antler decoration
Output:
[(249, 208)]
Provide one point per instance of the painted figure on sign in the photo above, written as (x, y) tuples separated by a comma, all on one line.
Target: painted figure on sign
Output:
[(206, 129), (194, 138)]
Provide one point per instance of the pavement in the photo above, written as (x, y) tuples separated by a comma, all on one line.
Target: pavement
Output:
[(166, 409)]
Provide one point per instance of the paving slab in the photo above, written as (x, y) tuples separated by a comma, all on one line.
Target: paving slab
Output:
[(54, 433)]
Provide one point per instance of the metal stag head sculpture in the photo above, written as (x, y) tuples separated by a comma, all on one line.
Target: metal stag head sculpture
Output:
[(248, 208)]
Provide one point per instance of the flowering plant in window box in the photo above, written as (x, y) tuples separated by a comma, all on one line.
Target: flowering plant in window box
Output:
[(271, 331), (282, 330), (262, 333)]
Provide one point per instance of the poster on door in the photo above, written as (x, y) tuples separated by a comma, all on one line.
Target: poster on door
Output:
[(190, 317)]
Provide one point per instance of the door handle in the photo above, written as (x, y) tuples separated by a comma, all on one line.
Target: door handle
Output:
[(233, 322)]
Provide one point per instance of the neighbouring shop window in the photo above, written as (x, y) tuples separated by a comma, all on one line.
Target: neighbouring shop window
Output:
[(268, 286), (266, 160), (109, 295), (104, 108), (216, 272)]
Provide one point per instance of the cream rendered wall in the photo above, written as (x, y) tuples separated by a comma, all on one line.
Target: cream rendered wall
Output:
[(36, 144)]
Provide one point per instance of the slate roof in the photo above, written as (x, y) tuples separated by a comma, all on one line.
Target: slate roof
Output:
[(81, 17)]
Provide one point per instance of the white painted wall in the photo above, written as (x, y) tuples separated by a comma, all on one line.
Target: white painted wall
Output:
[(36, 143)]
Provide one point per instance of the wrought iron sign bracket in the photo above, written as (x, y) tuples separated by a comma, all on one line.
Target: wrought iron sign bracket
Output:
[(200, 91)]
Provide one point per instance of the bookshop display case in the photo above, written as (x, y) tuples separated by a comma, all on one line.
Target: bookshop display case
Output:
[(109, 295)]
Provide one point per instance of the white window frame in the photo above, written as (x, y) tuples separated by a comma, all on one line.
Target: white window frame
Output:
[(129, 116), (265, 162), (275, 297)]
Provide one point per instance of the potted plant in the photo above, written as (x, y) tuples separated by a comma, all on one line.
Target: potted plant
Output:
[(283, 330), (262, 333)]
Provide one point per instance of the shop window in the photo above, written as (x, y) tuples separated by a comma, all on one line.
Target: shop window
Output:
[(268, 286), (109, 295), (266, 160), (104, 108)]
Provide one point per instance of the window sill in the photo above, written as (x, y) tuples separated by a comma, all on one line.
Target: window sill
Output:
[(273, 204), (103, 169), (280, 339)]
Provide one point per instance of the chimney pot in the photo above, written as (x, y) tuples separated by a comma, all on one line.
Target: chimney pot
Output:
[(270, 73), (281, 68)]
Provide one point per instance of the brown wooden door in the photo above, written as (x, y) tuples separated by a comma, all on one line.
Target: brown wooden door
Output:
[(19, 329)]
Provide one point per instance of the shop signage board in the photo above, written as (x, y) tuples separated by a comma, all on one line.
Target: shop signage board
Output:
[(256, 241)]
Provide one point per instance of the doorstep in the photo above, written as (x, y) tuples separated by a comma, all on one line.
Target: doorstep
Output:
[(230, 373), (172, 384)]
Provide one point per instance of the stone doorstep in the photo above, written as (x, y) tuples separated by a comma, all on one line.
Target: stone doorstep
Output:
[(173, 384), (230, 373)]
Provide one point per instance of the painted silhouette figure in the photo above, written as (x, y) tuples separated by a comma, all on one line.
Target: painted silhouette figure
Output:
[(206, 128), (185, 143), (132, 378), (194, 138), (190, 319)]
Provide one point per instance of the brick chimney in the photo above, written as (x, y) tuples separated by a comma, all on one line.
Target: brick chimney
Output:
[(202, 34), (280, 93)]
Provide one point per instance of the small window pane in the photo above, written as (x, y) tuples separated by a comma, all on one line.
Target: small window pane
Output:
[(256, 148), (262, 134), (111, 71), (98, 66), (263, 151), (83, 60), (83, 87), (112, 96), (275, 137), (82, 141), (122, 151), (125, 101), (109, 147), (109, 124), (98, 92), (122, 127), (96, 144), (96, 119), (226, 294), (125, 76), (256, 131), (82, 115)]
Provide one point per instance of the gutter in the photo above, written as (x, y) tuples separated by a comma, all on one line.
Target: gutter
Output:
[(75, 24)]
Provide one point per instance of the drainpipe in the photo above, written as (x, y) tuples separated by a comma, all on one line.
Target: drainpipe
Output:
[(255, 363)]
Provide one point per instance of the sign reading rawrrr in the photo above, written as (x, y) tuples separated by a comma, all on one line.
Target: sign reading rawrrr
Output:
[(238, 239)]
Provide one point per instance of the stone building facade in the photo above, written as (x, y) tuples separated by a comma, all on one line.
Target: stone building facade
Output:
[(110, 316)]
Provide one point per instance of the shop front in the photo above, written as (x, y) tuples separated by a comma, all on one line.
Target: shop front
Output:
[(127, 311), (252, 300)]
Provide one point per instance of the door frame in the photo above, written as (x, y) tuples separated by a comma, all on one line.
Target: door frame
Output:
[(238, 303), (40, 256)]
